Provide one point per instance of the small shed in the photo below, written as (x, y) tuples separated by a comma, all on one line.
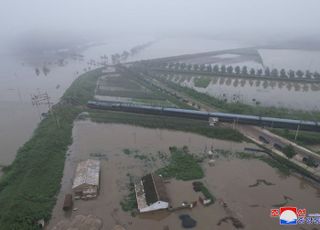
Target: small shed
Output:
[(87, 179), (68, 202)]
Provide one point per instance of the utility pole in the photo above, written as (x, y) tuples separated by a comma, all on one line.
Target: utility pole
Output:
[(44, 99), (297, 133)]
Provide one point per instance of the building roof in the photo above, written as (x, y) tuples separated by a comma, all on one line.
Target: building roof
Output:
[(87, 172), (154, 189)]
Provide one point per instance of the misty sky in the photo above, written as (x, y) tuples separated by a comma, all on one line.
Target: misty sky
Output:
[(156, 17)]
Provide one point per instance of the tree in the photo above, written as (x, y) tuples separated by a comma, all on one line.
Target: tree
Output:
[(37, 71), (216, 69), (209, 68), (177, 66), (289, 151), (223, 69), (45, 70), (292, 74), (237, 70), (274, 72), (202, 67), (300, 74), (308, 74), (195, 67), (125, 55), (244, 70), (283, 73), (189, 67), (267, 72), (316, 76), (171, 65), (183, 66), (252, 72), (259, 72), (230, 70)]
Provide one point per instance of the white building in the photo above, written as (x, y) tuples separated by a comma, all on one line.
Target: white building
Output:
[(151, 193), (87, 179)]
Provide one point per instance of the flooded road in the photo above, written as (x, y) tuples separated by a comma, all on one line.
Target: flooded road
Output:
[(230, 180)]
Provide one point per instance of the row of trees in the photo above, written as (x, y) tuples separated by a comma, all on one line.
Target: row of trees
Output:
[(243, 71), (117, 58)]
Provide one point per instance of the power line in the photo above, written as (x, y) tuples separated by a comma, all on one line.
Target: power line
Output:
[(44, 99)]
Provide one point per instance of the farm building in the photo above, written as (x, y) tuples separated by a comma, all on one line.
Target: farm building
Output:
[(87, 178), (151, 193)]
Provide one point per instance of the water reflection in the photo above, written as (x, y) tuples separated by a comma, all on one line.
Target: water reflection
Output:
[(269, 92)]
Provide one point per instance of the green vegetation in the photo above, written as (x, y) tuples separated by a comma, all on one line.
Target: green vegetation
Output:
[(129, 94), (283, 165), (129, 151), (309, 161), (147, 84), (241, 108), (124, 85), (182, 166), (153, 102), (129, 202), (304, 137), (30, 184), (289, 151), (173, 123), (202, 82), (198, 186)]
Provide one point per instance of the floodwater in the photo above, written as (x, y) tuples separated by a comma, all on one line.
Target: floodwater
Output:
[(18, 80), (291, 59), (229, 180), (179, 46), (294, 95), (18, 117)]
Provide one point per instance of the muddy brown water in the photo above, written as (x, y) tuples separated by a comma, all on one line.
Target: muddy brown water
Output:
[(229, 180)]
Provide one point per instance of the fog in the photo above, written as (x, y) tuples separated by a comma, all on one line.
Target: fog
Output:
[(78, 20)]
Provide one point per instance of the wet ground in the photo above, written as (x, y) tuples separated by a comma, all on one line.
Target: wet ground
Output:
[(234, 181)]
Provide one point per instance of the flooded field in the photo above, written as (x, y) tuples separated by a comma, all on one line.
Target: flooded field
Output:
[(291, 59), (230, 180), (179, 46), (18, 80), (255, 92), (18, 117)]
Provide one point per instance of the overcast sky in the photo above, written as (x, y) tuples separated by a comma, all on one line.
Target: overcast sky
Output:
[(156, 17)]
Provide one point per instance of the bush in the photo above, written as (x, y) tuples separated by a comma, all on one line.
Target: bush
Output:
[(182, 166), (289, 151)]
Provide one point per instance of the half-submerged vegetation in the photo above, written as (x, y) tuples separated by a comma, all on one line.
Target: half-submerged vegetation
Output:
[(241, 108), (182, 166)]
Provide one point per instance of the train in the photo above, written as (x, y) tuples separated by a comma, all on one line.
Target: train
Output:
[(203, 115)]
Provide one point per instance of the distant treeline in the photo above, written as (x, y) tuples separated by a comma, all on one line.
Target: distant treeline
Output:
[(117, 58), (243, 71)]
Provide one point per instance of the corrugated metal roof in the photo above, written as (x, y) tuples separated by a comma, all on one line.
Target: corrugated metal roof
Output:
[(87, 172)]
